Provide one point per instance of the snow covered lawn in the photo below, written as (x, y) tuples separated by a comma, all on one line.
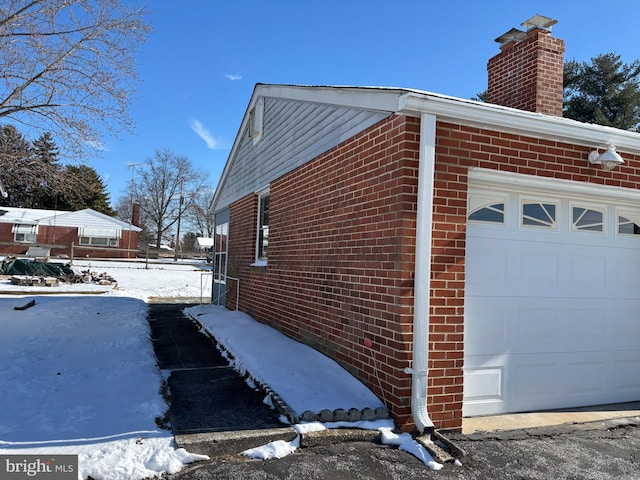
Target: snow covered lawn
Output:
[(79, 376)]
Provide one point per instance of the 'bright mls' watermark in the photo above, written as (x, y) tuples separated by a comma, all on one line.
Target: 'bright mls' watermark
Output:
[(50, 467)]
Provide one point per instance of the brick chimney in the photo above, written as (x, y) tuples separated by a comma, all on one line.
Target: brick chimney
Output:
[(527, 73), (135, 214)]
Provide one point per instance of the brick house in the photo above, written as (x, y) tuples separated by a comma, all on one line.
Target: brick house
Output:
[(92, 234), (460, 258)]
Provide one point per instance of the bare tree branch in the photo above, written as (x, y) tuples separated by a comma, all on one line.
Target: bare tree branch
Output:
[(67, 67)]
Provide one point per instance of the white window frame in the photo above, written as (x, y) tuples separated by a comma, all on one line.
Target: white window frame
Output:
[(261, 260), (632, 216), (588, 206), (93, 241), (19, 237), (526, 199), (24, 233), (477, 201)]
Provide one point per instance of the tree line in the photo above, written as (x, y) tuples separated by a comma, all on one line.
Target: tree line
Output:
[(34, 177)]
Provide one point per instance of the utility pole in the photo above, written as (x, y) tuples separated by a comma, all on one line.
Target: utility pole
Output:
[(132, 166), (178, 247)]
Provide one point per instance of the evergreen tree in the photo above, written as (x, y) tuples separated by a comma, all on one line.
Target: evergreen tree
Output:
[(45, 149), (15, 166), (46, 173), (87, 190), (604, 91)]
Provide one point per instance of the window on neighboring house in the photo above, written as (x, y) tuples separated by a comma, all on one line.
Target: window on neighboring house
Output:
[(587, 220), (99, 241), (263, 226), (24, 233), (99, 237)]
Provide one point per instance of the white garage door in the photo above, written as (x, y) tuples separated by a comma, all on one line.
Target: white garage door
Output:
[(552, 300)]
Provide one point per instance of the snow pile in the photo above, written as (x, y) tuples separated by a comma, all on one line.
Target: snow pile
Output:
[(403, 441), (267, 355)]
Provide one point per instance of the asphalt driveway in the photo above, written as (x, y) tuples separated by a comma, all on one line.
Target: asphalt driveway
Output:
[(598, 451)]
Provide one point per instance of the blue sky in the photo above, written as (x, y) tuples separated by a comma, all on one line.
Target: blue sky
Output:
[(204, 57)]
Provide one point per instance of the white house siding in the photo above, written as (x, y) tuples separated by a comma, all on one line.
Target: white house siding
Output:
[(294, 132)]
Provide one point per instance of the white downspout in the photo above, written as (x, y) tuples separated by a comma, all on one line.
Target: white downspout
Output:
[(424, 221)]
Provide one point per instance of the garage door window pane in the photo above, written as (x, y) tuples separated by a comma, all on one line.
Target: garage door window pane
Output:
[(627, 226), (491, 214), (539, 215), (587, 220)]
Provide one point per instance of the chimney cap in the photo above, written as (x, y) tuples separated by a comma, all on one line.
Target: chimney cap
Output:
[(513, 35), (539, 21)]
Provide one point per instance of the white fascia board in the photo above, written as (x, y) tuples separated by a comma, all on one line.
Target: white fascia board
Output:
[(520, 122), (367, 98)]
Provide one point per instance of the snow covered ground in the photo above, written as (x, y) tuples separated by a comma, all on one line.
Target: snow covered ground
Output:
[(79, 377), (267, 355)]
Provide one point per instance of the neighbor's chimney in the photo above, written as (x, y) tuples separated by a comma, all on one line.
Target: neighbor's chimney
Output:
[(527, 73), (135, 214)]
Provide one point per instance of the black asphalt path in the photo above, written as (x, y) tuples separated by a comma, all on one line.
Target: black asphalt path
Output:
[(206, 394)]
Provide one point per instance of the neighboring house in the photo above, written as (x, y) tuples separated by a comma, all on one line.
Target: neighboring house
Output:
[(203, 244), (91, 233), (358, 217)]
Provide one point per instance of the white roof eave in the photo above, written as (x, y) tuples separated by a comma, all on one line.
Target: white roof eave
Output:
[(519, 122), (445, 108)]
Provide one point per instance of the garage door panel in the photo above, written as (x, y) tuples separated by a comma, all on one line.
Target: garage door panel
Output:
[(541, 268), (528, 382), (625, 375), (543, 325), (487, 325), (625, 275), (492, 262), (587, 271)]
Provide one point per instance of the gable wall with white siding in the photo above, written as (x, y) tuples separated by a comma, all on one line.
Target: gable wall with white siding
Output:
[(294, 132)]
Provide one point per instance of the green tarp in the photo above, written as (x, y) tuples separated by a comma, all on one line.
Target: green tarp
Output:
[(18, 266)]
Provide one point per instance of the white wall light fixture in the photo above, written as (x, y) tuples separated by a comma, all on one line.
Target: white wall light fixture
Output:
[(609, 159)]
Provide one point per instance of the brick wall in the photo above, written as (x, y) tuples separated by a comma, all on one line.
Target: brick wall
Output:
[(341, 256), (342, 245), (528, 75)]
